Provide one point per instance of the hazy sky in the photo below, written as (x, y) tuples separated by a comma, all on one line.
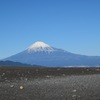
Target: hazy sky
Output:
[(73, 25)]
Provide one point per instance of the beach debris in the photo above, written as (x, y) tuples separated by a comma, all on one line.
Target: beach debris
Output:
[(58, 69), (87, 69), (73, 96), (21, 87), (82, 71), (97, 69), (3, 74), (11, 85), (48, 76), (63, 74), (74, 90), (26, 79)]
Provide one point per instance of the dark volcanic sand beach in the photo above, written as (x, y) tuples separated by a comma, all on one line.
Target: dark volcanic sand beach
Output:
[(49, 84)]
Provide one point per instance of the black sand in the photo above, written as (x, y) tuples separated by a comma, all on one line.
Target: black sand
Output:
[(49, 83)]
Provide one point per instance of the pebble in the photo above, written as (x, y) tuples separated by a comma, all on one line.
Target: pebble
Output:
[(21, 87), (11, 86), (74, 90)]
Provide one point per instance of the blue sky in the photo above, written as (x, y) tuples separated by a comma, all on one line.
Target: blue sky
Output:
[(73, 25)]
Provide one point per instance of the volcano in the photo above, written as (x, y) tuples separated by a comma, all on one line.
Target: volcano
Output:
[(43, 54)]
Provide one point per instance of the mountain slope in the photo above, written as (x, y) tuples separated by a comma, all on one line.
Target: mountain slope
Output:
[(40, 53)]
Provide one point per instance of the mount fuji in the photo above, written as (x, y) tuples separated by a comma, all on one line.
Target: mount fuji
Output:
[(43, 54)]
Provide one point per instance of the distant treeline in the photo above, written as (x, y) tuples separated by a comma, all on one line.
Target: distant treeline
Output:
[(11, 63)]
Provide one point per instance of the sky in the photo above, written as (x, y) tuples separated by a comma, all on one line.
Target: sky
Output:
[(72, 25)]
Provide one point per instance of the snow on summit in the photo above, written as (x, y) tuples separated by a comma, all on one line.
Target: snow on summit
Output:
[(40, 46)]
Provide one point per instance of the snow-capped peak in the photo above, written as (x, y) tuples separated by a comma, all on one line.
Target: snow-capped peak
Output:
[(40, 46)]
